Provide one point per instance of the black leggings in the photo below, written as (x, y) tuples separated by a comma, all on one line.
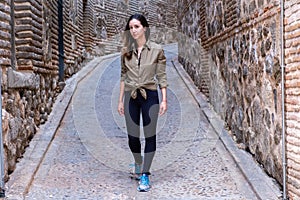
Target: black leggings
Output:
[(149, 109)]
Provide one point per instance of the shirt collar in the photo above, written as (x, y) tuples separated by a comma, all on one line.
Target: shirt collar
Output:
[(146, 45)]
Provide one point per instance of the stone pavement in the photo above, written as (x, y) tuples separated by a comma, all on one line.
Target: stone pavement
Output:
[(82, 152)]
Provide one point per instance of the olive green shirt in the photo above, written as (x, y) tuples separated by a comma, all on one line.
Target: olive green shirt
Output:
[(146, 72)]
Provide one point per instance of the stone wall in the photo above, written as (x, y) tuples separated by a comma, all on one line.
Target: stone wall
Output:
[(191, 38), (110, 18), (234, 59), (292, 38), (29, 44), (29, 50)]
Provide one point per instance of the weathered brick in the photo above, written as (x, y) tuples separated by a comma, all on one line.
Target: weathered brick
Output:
[(31, 46), (234, 66)]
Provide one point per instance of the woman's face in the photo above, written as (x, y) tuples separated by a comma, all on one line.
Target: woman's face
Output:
[(137, 31)]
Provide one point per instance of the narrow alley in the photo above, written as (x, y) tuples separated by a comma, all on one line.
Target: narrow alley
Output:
[(82, 153)]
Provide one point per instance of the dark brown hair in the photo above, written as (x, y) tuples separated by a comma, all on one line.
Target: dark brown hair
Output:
[(128, 39)]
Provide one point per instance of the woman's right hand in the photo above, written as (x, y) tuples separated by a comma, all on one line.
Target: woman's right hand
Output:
[(121, 108)]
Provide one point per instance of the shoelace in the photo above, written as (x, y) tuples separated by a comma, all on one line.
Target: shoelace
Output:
[(144, 180)]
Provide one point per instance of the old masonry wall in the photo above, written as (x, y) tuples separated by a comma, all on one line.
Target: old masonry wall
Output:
[(29, 50), (234, 59)]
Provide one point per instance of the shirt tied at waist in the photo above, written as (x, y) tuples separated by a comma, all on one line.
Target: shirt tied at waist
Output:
[(141, 87), (142, 91)]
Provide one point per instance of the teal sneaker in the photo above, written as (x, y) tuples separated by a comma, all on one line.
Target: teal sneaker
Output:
[(144, 183), (136, 172)]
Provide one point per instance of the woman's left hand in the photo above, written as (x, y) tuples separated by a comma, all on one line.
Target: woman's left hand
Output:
[(163, 108)]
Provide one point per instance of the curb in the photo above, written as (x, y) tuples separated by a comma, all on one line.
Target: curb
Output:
[(264, 186), (21, 179)]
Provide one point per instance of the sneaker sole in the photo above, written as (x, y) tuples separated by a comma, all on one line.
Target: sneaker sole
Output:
[(135, 176), (143, 190)]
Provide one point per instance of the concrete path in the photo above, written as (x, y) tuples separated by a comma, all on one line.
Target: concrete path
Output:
[(82, 151)]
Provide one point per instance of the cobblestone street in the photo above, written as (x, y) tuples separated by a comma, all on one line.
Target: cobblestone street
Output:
[(86, 155)]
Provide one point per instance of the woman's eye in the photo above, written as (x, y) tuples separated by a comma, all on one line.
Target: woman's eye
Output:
[(134, 27)]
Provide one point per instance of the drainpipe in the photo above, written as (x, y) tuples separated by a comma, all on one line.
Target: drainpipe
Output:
[(60, 41), (283, 98), (2, 191)]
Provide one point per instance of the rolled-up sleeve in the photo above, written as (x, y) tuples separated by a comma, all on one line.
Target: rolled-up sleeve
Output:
[(161, 70)]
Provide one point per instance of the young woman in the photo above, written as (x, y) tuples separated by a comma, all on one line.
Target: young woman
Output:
[(143, 70)]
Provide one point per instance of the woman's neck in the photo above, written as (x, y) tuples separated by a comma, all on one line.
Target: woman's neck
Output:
[(141, 42)]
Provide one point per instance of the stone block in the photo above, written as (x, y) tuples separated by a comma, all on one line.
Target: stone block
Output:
[(28, 80)]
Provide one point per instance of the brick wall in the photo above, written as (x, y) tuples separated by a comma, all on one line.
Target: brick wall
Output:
[(29, 50), (110, 18), (28, 34), (292, 83), (233, 57), (29, 46), (5, 36)]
